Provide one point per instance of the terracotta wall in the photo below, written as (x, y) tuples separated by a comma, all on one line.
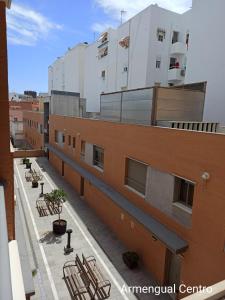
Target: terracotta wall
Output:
[(184, 153), (32, 134), (6, 162), (28, 153)]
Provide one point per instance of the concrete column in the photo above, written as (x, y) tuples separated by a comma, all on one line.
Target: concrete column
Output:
[(6, 162)]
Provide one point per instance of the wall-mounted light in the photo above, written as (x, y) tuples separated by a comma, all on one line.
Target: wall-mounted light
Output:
[(205, 176)]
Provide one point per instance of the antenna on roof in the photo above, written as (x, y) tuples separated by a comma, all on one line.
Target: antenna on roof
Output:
[(122, 13)]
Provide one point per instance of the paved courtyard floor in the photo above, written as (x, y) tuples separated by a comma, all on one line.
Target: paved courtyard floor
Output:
[(90, 237)]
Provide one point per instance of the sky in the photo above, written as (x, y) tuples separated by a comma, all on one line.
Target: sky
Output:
[(41, 30)]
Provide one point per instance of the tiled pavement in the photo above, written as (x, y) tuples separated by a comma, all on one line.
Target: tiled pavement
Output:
[(90, 236)]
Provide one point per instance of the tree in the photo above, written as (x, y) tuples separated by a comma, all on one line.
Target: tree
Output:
[(55, 199)]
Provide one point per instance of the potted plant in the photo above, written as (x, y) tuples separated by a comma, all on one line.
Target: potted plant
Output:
[(25, 160), (28, 165), (54, 200), (34, 183), (131, 259)]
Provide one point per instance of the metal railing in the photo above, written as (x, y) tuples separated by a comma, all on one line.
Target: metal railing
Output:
[(5, 274)]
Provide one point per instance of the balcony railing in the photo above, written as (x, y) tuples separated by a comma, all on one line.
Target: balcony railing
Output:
[(179, 48), (176, 74)]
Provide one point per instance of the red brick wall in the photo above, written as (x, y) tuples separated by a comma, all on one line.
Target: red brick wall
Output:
[(6, 162), (32, 135)]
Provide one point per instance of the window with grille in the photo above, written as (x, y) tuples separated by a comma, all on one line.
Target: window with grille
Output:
[(161, 34), (136, 173)]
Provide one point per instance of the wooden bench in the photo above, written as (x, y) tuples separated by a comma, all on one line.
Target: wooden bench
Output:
[(100, 285), (28, 176), (36, 175), (42, 208), (76, 278)]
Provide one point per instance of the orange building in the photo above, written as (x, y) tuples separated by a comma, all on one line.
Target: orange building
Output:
[(160, 190), (33, 122)]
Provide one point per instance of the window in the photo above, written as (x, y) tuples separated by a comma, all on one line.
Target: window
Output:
[(161, 34), (187, 39), (102, 52), (98, 157), (41, 129), (56, 136), (63, 138), (136, 175), (103, 75), (74, 142), (15, 119), (173, 61), (158, 63), (82, 151), (175, 37), (125, 69), (69, 140), (184, 192)]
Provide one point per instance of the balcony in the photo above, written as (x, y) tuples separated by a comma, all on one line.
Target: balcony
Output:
[(176, 74), (178, 48)]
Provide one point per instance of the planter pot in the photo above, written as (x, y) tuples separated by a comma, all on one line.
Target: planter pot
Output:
[(59, 226), (26, 160), (28, 165), (34, 184), (131, 259)]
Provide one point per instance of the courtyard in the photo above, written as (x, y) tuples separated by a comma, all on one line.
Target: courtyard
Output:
[(89, 237)]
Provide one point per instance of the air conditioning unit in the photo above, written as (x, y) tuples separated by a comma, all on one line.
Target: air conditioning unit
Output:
[(182, 72)]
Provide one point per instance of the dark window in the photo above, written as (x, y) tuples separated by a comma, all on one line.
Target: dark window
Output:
[(103, 74), (63, 138), (82, 151), (56, 136), (184, 192), (74, 142), (136, 175), (69, 140), (98, 157), (175, 37), (158, 64)]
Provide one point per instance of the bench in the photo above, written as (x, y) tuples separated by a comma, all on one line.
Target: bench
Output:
[(100, 285), (36, 175), (28, 176), (41, 208), (76, 278)]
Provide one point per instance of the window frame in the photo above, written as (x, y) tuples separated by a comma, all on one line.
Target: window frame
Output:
[(97, 163), (126, 183), (179, 181)]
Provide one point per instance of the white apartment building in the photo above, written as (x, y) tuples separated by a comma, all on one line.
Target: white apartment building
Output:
[(148, 49), (67, 72), (206, 61)]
